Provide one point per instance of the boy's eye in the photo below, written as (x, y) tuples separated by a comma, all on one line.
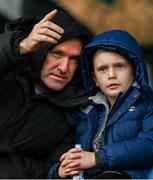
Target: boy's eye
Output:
[(120, 66), (102, 69)]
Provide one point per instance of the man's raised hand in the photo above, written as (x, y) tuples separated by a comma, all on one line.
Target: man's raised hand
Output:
[(44, 31)]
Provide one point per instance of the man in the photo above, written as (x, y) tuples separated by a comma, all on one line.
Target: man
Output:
[(39, 81)]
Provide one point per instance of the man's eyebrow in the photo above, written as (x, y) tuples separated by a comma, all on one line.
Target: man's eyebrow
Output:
[(102, 66), (55, 50)]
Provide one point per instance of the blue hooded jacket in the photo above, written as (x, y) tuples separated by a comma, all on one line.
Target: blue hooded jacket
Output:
[(127, 142), (118, 41)]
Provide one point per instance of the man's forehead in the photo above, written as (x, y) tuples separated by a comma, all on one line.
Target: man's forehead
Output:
[(71, 44), (72, 40)]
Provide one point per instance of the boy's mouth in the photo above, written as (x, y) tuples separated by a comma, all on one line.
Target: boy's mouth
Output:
[(113, 86)]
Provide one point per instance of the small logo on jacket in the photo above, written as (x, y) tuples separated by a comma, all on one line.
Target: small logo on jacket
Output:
[(132, 108)]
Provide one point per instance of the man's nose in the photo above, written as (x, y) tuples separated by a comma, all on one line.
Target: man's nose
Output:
[(111, 73), (63, 65)]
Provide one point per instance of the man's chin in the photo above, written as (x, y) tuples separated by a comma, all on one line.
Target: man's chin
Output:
[(56, 87)]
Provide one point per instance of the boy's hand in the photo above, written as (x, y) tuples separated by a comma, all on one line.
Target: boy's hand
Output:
[(70, 165), (75, 160), (43, 32)]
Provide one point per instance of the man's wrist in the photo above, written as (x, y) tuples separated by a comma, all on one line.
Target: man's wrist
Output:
[(24, 47)]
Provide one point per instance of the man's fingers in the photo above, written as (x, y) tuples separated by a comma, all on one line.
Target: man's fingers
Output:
[(49, 16), (52, 26), (49, 33), (47, 39), (46, 22)]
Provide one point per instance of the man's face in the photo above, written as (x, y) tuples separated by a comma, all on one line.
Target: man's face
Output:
[(60, 64), (112, 74)]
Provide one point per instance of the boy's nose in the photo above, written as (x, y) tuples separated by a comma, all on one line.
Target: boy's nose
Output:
[(111, 73), (63, 66)]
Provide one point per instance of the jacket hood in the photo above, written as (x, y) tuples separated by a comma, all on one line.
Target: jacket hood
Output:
[(72, 29), (72, 94), (117, 41)]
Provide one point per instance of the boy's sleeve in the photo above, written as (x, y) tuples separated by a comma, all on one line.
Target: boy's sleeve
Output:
[(98, 160), (53, 172)]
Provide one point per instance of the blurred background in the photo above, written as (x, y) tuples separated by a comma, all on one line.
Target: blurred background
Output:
[(135, 16)]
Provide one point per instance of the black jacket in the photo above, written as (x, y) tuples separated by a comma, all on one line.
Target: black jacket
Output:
[(33, 124)]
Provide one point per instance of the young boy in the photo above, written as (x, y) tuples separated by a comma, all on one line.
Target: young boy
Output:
[(116, 129)]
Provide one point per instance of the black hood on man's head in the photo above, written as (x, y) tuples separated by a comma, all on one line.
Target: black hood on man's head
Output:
[(72, 29), (72, 94)]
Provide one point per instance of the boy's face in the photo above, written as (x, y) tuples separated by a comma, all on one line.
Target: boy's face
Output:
[(112, 74), (60, 64)]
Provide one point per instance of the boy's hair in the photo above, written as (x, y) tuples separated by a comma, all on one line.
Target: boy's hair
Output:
[(110, 49)]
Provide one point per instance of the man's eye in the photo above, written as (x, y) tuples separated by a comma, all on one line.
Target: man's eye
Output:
[(75, 60), (102, 69), (56, 54)]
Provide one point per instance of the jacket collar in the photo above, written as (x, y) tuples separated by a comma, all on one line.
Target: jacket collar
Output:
[(119, 107), (70, 96), (100, 98)]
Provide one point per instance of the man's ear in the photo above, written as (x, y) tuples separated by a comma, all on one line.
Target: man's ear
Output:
[(94, 78)]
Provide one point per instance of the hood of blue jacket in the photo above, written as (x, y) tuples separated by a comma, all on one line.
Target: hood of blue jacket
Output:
[(117, 41)]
